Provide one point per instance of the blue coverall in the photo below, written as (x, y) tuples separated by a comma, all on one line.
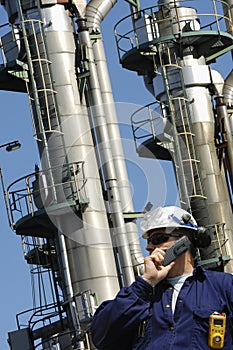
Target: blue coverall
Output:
[(140, 317)]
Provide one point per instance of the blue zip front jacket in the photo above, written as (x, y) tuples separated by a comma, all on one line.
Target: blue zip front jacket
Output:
[(141, 318)]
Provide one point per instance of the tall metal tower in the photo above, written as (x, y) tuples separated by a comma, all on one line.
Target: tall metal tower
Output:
[(71, 211), (172, 46), (75, 212)]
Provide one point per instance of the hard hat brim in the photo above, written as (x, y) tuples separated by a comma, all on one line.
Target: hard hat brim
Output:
[(146, 234)]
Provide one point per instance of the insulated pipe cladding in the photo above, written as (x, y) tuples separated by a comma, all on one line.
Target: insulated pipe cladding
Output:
[(87, 192), (96, 11), (87, 238), (184, 75), (214, 178)]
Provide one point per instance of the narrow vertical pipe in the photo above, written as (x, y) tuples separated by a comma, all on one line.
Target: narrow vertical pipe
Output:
[(104, 144), (227, 134), (96, 11)]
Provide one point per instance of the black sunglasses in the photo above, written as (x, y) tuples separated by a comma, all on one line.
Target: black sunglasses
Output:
[(159, 238)]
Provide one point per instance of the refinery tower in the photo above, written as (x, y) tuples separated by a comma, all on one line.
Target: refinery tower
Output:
[(75, 212)]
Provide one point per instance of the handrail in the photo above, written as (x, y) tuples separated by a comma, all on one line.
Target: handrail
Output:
[(126, 30), (32, 192), (148, 120), (34, 310)]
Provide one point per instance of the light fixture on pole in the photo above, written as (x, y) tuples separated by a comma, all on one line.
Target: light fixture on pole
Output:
[(11, 146)]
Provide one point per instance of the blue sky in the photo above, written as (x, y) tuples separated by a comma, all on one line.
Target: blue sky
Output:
[(15, 293), (128, 88)]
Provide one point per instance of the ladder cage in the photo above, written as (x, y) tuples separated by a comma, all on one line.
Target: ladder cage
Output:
[(32, 192)]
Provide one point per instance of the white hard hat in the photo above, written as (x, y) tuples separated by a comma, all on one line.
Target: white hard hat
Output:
[(168, 218)]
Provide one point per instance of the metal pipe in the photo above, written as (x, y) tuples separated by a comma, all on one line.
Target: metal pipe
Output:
[(228, 90), (96, 11), (226, 133), (104, 144), (228, 14), (67, 282), (168, 2)]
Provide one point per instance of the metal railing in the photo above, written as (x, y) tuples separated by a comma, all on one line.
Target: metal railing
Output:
[(148, 121), (152, 123), (34, 192), (147, 26)]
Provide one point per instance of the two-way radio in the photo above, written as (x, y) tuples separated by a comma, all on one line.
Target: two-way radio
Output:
[(177, 249)]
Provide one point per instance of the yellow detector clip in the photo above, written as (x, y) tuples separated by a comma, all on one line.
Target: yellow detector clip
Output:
[(217, 328)]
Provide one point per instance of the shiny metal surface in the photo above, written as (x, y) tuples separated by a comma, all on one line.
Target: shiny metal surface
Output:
[(78, 209)]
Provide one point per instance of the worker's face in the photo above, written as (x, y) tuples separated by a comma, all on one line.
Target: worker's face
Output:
[(161, 239)]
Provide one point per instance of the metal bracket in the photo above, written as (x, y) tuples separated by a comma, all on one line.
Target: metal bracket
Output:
[(135, 3), (219, 53), (19, 74), (82, 204), (95, 36), (82, 75)]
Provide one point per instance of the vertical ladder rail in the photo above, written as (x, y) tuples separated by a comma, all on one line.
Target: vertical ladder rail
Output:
[(33, 85), (185, 158)]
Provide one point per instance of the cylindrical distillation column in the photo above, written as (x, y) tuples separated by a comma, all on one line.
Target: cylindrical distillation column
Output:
[(90, 256), (197, 77), (225, 105), (192, 79)]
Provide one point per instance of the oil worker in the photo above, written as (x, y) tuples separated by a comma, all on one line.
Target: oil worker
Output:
[(175, 307)]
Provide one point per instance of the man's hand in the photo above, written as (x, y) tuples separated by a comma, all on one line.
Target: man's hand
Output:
[(154, 270)]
